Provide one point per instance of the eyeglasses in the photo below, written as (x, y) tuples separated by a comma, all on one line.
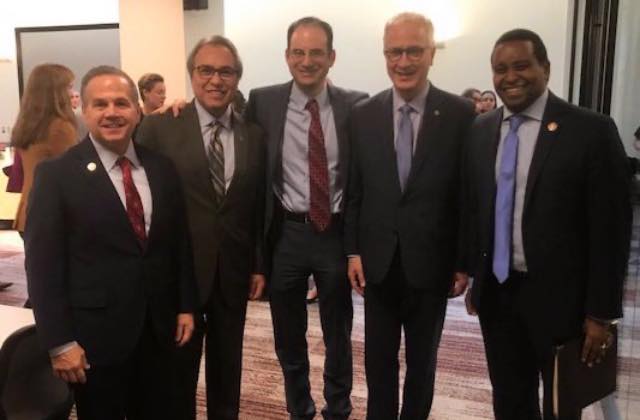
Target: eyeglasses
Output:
[(413, 53), (315, 54), (225, 73)]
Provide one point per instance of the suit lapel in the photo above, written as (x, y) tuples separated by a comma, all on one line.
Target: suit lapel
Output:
[(95, 174), (155, 186), (387, 134), (278, 120), (196, 150), (428, 135), (240, 145), (547, 137), (340, 112)]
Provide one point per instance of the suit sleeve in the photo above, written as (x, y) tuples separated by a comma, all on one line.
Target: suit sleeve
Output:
[(145, 134), (353, 192), (609, 223), (250, 110), (46, 258), (259, 253)]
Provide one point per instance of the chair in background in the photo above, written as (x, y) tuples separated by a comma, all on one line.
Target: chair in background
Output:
[(28, 388)]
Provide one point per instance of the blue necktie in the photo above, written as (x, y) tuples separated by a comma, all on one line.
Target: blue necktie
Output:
[(404, 144), (504, 201)]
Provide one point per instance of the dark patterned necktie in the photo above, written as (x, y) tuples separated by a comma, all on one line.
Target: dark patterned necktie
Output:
[(135, 212), (319, 209), (215, 156)]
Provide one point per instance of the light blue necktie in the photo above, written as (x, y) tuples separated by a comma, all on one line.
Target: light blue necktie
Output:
[(504, 201), (404, 144)]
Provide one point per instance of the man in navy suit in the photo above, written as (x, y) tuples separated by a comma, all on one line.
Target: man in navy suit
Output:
[(549, 217), (305, 123), (402, 216), (108, 261)]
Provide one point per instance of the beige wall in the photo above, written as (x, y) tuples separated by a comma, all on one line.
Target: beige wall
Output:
[(152, 40)]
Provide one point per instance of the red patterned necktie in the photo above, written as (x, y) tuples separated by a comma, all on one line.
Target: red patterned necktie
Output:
[(319, 211), (135, 212)]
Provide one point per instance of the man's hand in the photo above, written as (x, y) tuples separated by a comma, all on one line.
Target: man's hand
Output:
[(176, 106), (184, 328), (458, 284), (471, 310), (70, 365), (597, 339), (256, 286), (356, 274)]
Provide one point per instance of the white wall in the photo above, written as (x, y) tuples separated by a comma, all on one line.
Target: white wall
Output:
[(468, 27), (28, 13)]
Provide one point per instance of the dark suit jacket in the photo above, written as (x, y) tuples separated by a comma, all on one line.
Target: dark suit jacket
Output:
[(226, 236), (576, 217), (89, 279), (421, 222), (267, 107)]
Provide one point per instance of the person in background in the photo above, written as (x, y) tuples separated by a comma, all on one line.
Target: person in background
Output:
[(152, 92), (546, 195), (474, 96), (75, 101), (45, 126), (402, 218), (488, 101)]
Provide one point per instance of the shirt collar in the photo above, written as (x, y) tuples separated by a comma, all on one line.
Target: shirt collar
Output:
[(206, 118), (299, 99), (535, 111), (109, 158), (417, 103)]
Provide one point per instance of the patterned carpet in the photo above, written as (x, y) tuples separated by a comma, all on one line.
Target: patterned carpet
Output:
[(462, 386)]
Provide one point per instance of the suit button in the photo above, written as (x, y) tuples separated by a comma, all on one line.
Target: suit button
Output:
[(484, 254)]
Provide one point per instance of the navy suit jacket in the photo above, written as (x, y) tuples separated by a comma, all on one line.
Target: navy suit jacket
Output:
[(422, 221), (576, 219), (89, 278)]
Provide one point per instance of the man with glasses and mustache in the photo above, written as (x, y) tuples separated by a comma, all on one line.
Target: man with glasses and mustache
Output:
[(305, 121), (402, 218), (220, 160)]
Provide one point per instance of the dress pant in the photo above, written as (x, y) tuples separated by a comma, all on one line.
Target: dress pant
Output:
[(139, 388), (299, 252), (221, 326), (518, 351), (390, 307)]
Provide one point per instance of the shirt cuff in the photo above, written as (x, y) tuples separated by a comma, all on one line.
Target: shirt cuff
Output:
[(57, 351)]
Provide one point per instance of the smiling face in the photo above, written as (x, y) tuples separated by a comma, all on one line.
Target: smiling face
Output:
[(110, 111), (518, 77), (409, 51), (309, 58), (215, 78)]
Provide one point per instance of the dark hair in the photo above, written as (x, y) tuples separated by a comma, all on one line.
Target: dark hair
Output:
[(108, 71), (539, 50), (214, 41), (311, 20), (147, 82), (468, 93)]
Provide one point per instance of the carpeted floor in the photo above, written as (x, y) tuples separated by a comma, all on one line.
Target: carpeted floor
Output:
[(462, 386)]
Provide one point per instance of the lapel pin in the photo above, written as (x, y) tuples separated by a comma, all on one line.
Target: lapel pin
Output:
[(91, 166), (436, 112), (552, 126)]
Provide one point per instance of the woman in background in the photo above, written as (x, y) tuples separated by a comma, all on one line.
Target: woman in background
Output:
[(152, 91), (45, 127), (487, 101)]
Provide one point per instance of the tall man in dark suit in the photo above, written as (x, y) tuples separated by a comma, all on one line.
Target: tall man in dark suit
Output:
[(305, 122), (402, 218), (108, 261), (220, 160), (549, 216)]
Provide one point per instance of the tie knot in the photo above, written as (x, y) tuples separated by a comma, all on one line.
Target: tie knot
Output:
[(515, 121), (406, 110), (312, 105), (123, 162)]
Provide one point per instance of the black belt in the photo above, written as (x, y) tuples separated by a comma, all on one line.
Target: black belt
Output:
[(304, 217), (517, 275)]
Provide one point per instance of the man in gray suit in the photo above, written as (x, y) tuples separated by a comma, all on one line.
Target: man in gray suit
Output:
[(220, 160), (305, 123)]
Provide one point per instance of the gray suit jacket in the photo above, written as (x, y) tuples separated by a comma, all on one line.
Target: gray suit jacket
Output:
[(267, 107), (227, 235)]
